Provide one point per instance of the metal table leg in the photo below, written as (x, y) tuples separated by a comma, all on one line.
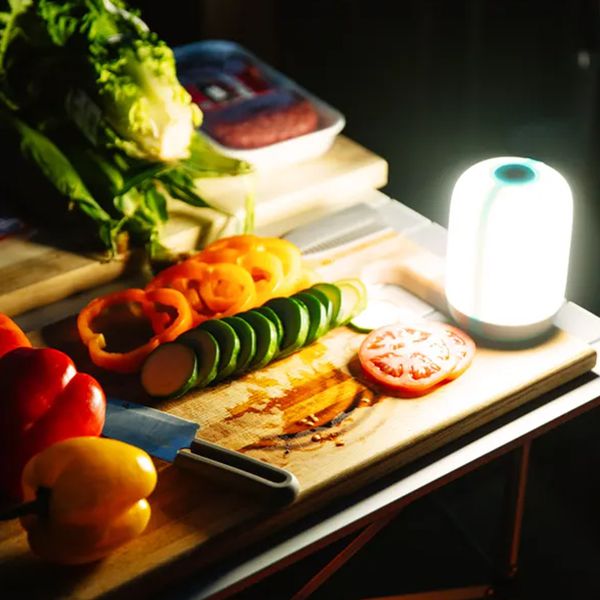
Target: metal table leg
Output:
[(340, 559), (508, 569)]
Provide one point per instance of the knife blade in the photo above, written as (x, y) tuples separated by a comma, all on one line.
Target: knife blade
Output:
[(173, 439)]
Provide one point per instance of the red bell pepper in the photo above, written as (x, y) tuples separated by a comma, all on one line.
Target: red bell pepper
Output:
[(43, 399), (11, 335)]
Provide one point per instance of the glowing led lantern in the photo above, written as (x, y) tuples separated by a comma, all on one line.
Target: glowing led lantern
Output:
[(509, 236)]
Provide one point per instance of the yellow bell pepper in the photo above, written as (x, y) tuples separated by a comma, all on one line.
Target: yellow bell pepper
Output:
[(91, 496)]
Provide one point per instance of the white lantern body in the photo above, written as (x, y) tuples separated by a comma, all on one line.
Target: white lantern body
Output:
[(509, 237)]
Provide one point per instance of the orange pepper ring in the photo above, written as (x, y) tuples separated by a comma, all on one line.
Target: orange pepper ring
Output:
[(270, 266), (178, 277), (288, 254), (229, 255), (224, 304), (242, 242), (128, 362), (97, 305), (188, 269)]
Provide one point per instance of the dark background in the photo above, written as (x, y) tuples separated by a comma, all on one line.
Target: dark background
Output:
[(434, 86)]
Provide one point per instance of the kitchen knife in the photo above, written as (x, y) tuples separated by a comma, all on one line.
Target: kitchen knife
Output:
[(174, 439)]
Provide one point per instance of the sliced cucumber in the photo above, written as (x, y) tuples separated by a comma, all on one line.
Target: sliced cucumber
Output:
[(247, 338), (354, 299), (318, 321), (229, 345), (272, 316), (335, 297), (323, 299), (207, 352), (361, 288), (295, 319), (378, 313), (170, 370), (266, 338)]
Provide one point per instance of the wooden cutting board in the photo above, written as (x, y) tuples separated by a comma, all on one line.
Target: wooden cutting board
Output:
[(310, 413), (36, 269)]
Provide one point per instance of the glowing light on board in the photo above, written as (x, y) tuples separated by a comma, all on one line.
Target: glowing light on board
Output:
[(509, 236)]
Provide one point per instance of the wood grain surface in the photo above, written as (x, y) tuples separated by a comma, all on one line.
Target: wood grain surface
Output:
[(37, 269), (311, 413)]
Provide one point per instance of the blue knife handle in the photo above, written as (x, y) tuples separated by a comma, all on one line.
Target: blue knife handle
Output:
[(267, 483)]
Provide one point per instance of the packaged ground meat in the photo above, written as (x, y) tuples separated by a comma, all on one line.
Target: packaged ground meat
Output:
[(251, 111)]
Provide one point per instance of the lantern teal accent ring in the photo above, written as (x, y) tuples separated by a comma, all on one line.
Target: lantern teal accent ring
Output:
[(515, 173)]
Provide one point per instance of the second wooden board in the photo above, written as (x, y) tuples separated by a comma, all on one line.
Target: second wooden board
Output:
[(38, 268)]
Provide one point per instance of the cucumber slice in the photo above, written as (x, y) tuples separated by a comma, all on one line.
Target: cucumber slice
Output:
[(335, 297), (229, 345), (354, 299), (170, 370), (324, 300), (295, 319), (266, 338), (318, 321), (247, 343), (361, 288), (272, 316), (378, 313), (207, 352)]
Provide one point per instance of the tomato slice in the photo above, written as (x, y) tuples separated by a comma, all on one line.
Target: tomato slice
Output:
[(407, 359), (461, 345)]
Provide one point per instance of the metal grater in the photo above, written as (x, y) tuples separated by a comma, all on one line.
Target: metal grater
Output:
[(336, 229)]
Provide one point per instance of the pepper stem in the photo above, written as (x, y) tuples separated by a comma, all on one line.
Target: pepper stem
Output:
[(38, 506)]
